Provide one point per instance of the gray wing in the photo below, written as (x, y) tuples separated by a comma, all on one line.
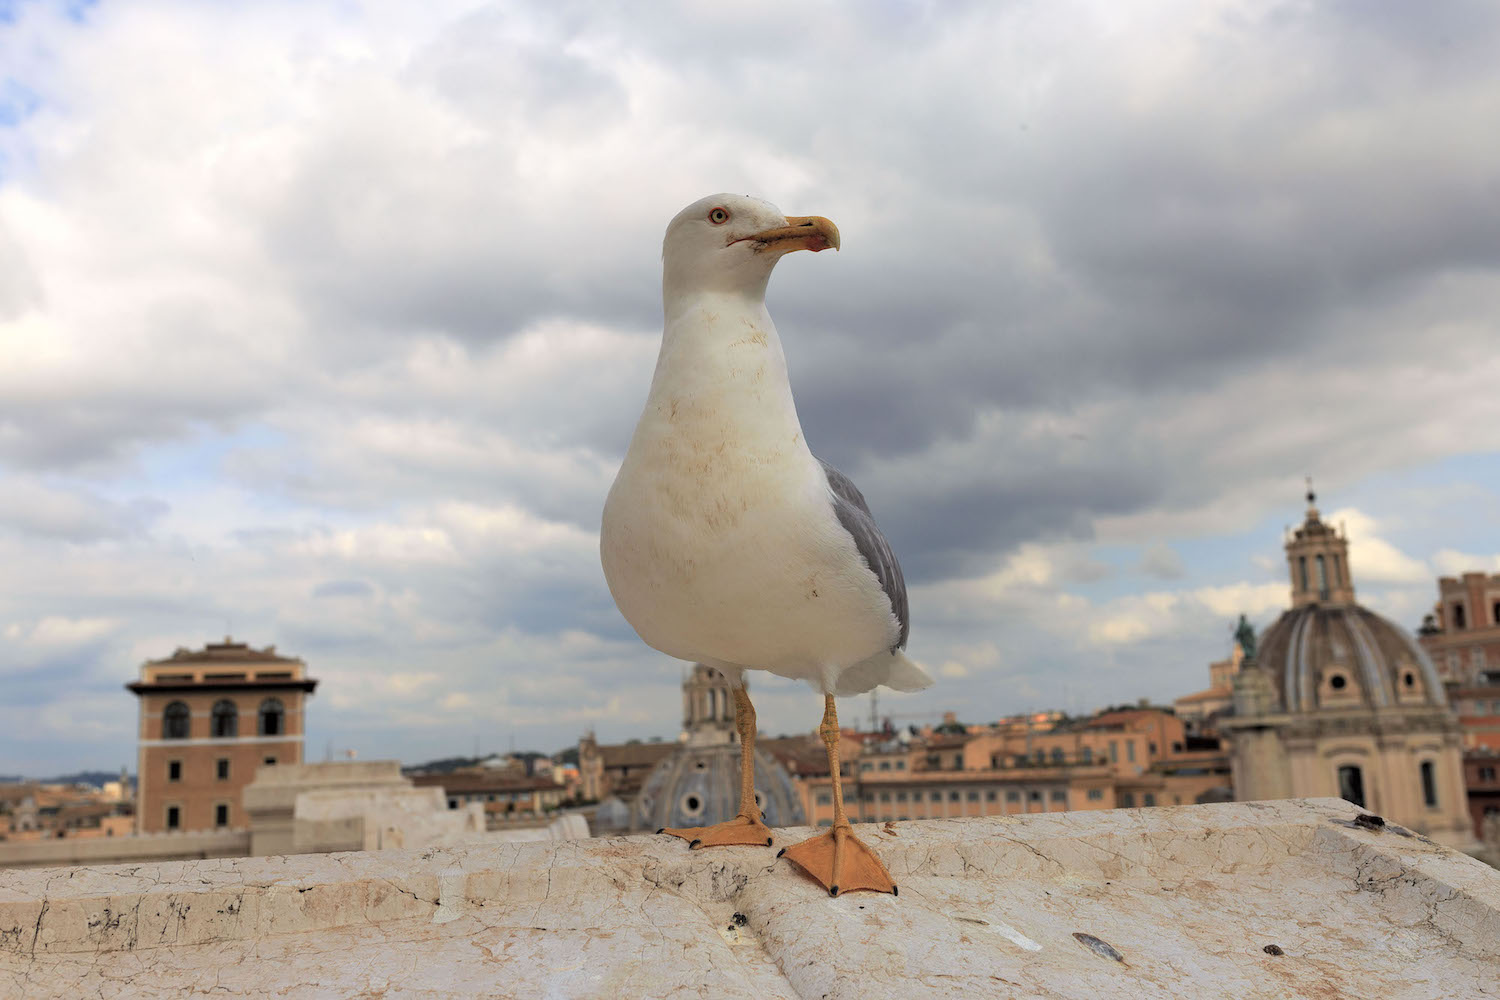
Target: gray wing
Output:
[(854, 514)]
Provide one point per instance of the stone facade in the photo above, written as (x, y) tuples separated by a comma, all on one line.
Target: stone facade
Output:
[(1258, 900), (208, 719)]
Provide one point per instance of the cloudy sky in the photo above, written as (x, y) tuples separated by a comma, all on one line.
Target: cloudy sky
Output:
[(326, 325)]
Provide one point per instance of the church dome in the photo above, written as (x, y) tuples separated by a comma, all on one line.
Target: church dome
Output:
[(1332, 657), (698, 784), (1328, 652)]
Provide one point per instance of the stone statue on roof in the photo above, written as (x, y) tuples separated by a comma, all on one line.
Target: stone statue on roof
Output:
[(1244, 634)]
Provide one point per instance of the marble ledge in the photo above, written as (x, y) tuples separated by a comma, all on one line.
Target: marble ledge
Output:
[(1262, 899)]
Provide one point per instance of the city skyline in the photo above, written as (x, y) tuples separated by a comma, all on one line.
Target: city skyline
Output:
[(336, 348)]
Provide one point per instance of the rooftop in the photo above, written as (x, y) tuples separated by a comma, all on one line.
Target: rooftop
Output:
[(1261, 899)]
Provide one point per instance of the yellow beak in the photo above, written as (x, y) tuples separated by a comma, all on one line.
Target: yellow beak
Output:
[(801, 232)]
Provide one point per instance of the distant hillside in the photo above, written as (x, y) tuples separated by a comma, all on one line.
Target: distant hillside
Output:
[(95, 778)]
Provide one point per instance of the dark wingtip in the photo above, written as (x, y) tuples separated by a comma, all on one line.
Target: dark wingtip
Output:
[(662, 830), (695, 842), (833, 890), (781, 852), (768, 841), (895, 889)]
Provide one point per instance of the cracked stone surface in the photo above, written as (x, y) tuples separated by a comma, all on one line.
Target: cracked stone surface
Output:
[(1272, 899)]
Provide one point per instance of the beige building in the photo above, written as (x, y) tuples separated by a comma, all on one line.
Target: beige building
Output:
[(208, 719), (1340, 701)]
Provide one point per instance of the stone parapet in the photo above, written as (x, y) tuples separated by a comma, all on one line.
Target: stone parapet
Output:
[(1260, 899)]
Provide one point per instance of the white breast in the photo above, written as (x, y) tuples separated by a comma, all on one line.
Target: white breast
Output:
[(719, 541)]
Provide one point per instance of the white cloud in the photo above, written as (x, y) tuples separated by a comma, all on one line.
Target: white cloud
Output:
[(1372, 558), (1451, 562)]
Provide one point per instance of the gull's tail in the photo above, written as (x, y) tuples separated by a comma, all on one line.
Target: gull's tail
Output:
[(894, 670)]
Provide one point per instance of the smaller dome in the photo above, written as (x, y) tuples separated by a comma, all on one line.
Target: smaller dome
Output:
[(1327, 658), (700, 786)]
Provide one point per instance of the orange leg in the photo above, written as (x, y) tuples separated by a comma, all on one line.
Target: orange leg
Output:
[(746, 827), (838, 859)]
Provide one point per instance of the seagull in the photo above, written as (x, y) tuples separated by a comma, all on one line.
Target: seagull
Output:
[(726, 542)]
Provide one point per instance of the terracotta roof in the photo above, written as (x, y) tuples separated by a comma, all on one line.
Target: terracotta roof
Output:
[(226, 652), (1212, 694), (800, 755), (635, 754)]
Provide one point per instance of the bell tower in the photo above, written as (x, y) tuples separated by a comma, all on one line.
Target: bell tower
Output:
[(707, 707), (1317, 558)]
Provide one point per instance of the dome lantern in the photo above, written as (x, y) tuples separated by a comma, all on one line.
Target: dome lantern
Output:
[(1317, 558)]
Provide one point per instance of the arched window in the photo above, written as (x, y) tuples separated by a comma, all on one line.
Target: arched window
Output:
[(1302, 571), (1429, 784), (1322, 577), (272, 718), (225, 720), (1057, 755), (1087, 754), (1338, 572), (175, 720), (1352, 784)]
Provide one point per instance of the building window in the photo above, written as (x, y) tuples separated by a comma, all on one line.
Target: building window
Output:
[(867, 766), (272, 718), (1127, 800), (958, 761), (175, 720), (953, 795), (221, 814), (1130, 751), (174, 817), (1302, 571), (1495, 611), (1337, 682), (900, 796), (1322, 578), (269, 762), (825, 798), (174, 770), (1338, 573), (825, 822), (900, 765), (885, 765), (1352, 784), (1114, 751), (1096, 794), (453, 803), (1458, 617), (1429, 784), (1409, 679), (225, 721), (1086, 755), (221, 769), (885, 796), (973, 795), (1486, 774), (989, 795), (1012, 795), (1149, 799), (1059, 795)]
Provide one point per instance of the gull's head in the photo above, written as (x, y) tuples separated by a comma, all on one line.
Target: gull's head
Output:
[(730, 242)]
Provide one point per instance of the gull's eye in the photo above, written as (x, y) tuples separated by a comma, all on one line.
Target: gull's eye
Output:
[(718, 216)]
